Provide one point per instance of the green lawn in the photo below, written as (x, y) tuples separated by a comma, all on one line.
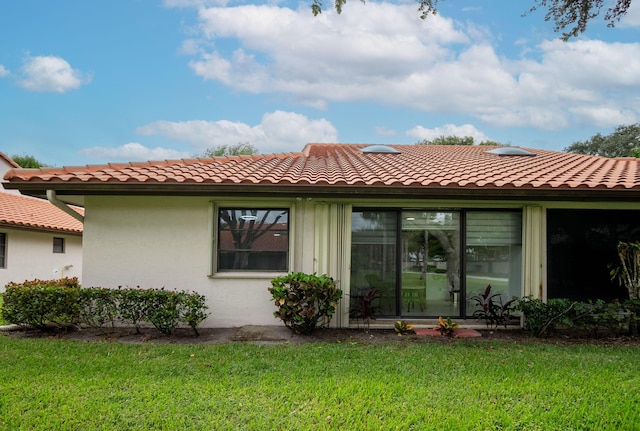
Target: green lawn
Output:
[(48, 384)]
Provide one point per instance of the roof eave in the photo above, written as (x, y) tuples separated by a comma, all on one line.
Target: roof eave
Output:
[(330, 190), (23, 227)]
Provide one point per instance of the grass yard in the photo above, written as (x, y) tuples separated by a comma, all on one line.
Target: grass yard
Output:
[(49, 384)]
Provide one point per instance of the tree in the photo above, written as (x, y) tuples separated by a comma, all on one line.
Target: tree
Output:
[(26, 161), (623, 142), (239, 149), (457, 140), (573, 15)]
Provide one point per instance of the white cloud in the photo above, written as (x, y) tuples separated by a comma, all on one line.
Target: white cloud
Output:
[(3, 71), (422, 133), (381, 53), (49, 73), (278, 132), (132, 152), (383, 131)]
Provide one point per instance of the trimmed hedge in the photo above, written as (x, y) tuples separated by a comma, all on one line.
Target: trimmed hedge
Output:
[(46, 303)]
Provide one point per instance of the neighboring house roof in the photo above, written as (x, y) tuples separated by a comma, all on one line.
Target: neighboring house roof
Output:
[(8, 160), (265, 237), (345, 170), (25, 212)]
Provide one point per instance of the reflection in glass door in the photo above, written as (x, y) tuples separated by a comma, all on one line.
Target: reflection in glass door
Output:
[(430, 263), (374, 258)]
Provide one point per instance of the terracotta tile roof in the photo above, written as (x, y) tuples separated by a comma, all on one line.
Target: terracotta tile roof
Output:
[(346, 168), (8, 160), (37, 214)]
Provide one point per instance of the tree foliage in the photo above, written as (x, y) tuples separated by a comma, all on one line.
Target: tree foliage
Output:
[(26, 161), (623, 142), (456, 140), (574, 15), (570, 15), (239, 149)]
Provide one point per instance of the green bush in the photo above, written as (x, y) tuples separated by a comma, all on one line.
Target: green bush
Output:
[(42, 303), (63, 302), (98, 308), (593, 317), (163, 309), (132, 306), (304, 301), (193, 310), (542, 318)]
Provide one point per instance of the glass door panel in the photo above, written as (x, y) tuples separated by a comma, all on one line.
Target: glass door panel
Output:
[(493, 254), (430, 264), (374, 258)]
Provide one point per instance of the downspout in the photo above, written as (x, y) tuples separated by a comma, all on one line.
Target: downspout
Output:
[(51, 197)]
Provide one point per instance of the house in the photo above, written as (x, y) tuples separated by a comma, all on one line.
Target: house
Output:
[(428, 226), (37, 240)]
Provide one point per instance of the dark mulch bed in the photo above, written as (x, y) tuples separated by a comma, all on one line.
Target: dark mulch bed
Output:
[(280, 334)]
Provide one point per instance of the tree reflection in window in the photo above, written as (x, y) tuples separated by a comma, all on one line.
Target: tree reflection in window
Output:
[(253, 239)]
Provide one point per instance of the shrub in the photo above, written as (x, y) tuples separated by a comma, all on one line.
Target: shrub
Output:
[(193, 310), (598, 316), (42, 303), (304, 301), (98, 308), (542, 318), (62, 302), (162, 309), (132, 306)]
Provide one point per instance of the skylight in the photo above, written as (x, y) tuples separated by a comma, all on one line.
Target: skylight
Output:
[(380, 149), (510, 151)]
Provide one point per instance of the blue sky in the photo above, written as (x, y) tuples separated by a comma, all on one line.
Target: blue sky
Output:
[(90, 82)]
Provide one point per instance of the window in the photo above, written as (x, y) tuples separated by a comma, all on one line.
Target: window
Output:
[(3, 250), (58, 245), (252, 239)]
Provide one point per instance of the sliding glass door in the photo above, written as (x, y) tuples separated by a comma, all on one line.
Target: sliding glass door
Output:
[(415, 259), (430, 282)]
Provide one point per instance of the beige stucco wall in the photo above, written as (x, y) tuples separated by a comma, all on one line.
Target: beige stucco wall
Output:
[(30, 255), (156, 242)]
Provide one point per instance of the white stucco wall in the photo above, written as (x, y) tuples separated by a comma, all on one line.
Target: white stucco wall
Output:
[(156, 242), (30, 255)]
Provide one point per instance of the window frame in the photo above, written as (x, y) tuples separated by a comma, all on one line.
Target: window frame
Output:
[(3, 250), (59, 247), (215, 270)]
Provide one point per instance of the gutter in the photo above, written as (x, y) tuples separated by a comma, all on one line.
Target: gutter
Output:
[(51, 197)]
